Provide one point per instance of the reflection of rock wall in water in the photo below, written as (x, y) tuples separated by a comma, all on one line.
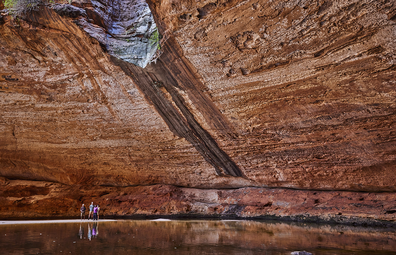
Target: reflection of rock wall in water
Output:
[(195, 237), (267, 94)]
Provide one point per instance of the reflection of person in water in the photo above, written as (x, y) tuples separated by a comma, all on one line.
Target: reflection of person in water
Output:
[(89, 233), (95, 229), (81, 232)]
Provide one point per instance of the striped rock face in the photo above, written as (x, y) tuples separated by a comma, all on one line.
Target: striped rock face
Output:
[(257, 93), (307, 88)]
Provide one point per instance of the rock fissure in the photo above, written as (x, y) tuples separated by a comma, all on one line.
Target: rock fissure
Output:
[(181, 121)]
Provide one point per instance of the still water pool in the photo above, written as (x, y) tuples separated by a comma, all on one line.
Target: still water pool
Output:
[(190, 237)]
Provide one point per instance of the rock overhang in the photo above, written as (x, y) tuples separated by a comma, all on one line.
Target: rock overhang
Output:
[(286, 121)]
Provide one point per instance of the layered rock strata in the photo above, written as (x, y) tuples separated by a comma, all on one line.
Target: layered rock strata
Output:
[(257, 94), (308, 86), (71, 116), (32, 199)]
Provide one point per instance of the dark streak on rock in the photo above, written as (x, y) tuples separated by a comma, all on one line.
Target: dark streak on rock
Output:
[(324, 7), (393, 18), (204, 11), (9, 78), (69, 10), (180, 120)]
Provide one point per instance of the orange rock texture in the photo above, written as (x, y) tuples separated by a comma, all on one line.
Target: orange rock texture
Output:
[(308, 87), (261, 94), (37, 199)]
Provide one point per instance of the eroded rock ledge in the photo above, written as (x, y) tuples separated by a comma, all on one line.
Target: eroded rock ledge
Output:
[(29, 199)]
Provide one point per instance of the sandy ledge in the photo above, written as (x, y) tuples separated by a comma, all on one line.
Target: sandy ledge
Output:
[(12, 222)]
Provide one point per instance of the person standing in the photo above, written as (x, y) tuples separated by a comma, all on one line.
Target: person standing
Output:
[(91, 206), (82, 210), (98, 211), (95, 213)]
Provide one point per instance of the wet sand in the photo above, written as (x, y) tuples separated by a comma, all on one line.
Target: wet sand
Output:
[(6, 222)]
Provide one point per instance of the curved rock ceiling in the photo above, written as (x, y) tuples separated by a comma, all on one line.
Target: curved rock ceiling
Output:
[(296, 94)]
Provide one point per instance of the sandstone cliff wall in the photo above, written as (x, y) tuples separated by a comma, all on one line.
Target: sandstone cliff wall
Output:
[(308, 87), (297, 94)]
